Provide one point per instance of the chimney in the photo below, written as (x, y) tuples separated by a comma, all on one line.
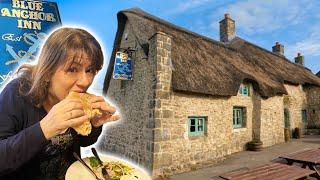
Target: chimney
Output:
[(278, 48), (227, 28), (299, 59)]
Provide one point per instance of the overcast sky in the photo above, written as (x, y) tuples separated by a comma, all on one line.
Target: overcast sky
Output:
[(293, 23)]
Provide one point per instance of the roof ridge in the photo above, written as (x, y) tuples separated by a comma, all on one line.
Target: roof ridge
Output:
[(140, 12), (272, 53)]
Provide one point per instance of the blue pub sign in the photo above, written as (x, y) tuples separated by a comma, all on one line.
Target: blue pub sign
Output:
[(23, 27), (122, 67)]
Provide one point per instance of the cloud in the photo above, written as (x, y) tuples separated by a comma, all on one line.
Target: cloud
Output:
[(188, 5), (307, 47), (253, 16), (310, 46)]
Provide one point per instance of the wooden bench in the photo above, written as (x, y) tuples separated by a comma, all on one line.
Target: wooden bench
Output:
[(308, 158), (274, 171)]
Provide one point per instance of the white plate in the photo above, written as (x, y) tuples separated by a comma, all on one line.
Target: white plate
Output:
[(78, 172)]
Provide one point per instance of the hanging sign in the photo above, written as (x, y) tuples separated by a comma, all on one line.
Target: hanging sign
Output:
[(122, 67), (24, 26)]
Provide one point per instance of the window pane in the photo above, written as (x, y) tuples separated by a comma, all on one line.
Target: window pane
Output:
[(245, 90), (234, 116), (192, 128), (196, 126), (238, 117), (193, 122)]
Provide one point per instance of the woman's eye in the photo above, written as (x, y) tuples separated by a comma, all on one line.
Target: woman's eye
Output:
[(90, 71), (72, 69)]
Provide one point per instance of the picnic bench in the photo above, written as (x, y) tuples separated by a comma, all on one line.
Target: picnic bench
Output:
[(273, 171), (307, 158)]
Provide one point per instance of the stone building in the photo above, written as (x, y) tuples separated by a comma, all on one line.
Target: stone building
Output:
[(193, 100)]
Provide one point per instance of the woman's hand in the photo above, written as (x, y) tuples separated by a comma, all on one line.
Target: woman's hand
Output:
[(67, 113), (98, 102)]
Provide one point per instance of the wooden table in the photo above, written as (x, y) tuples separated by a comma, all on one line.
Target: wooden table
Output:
[(308, 158), (274, 171)]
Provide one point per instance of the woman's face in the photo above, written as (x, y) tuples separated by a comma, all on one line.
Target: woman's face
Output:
[(75, 75)]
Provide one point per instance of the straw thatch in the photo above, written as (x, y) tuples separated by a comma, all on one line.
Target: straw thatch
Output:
[(203, 65)]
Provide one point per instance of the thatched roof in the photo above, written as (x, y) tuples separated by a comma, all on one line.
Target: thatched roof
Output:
[(203, 65)]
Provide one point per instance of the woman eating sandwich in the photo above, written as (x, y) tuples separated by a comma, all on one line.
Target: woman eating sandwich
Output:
[(45, 112)]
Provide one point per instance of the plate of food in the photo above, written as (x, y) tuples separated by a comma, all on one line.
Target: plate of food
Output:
[(117, 170)]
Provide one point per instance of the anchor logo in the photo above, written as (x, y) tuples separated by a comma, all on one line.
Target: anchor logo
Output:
[(33, 39), (4, 77)]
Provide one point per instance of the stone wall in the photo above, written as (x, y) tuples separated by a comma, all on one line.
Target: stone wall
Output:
[(132, 137), (313, 109), (272, 121), (295, 102), (163, 114), (176, 152)]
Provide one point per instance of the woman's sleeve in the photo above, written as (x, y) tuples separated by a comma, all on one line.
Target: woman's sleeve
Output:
[(17, 144), (17, 148), (91, 138)]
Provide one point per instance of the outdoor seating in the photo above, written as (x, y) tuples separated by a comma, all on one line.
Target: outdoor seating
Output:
[(308, 158), (273, 171)]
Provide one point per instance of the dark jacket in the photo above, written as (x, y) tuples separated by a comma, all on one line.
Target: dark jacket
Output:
[(24, 151)]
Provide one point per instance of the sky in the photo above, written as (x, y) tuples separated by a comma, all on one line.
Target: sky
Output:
[(293, 23)]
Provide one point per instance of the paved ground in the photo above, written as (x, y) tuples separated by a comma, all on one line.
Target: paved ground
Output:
[(249, 159)]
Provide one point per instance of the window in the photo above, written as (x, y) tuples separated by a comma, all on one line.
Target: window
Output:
[(239, 117), (286, 118), (244, 90), (196, 126), (304, 115)]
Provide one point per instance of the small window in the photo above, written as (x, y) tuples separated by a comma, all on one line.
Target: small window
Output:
[(196, 126), (244, 90), (304, 115), (239, 117), (286, 118)]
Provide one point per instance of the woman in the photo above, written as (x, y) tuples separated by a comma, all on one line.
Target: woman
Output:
[(36, 138)]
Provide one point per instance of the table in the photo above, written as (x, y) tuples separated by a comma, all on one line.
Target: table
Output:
[(308, 158), (273, 171)]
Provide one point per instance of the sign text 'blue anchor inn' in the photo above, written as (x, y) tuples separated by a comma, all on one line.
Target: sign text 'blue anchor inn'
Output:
[(24, 25)]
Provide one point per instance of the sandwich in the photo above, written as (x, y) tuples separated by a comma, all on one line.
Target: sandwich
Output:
[(84, 129)]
